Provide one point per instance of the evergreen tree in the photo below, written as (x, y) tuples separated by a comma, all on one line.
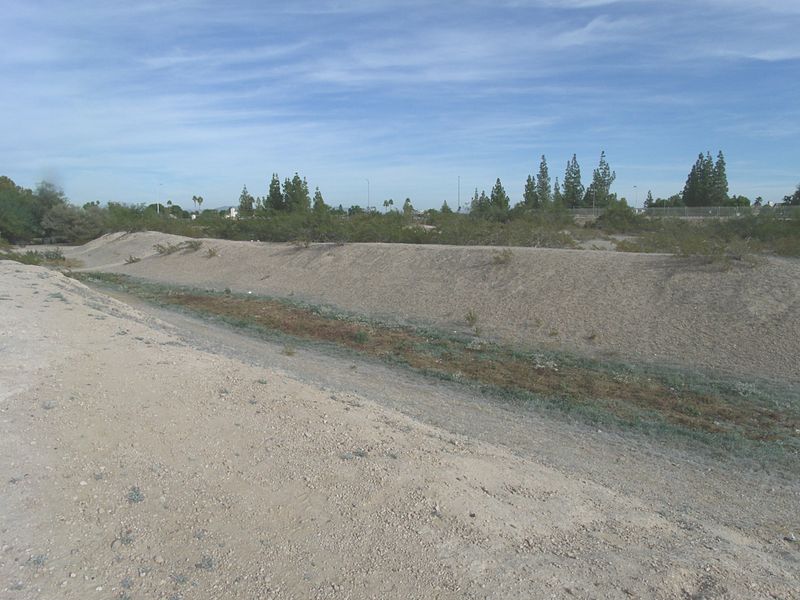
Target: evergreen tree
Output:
[(480, 204), (530, 198), (543, 183), (499, 202), (719, 182), (446, 210), (698, 190), (649, 201), (598, 193), (296, 197), (573, 188), (246, 202), (319, 203), (558, 199), (274, 199)]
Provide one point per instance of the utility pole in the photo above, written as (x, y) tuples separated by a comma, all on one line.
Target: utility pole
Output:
[(367, 194), (459, 193)]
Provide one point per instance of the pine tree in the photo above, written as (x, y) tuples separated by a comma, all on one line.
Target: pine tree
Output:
[(246, 202), (499, 199), (598, 193), (530, 199), (446, 210), (558, 199), (319, 203), (274, 200), (699, 188), (543, 183), (296, 197), (719, 182), (573, 188)]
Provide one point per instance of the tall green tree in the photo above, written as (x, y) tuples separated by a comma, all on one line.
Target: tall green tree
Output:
[(543, 183), (599, 191), (274, 200), (558, 199), (499, 201), (296, 197), (246, 202), (573, 189), (530, 199), (699, 188), (319, 204), (719, 182)]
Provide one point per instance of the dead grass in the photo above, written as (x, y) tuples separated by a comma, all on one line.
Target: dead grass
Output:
[(628, 397)]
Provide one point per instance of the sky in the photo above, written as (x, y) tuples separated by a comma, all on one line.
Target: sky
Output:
[(376, 99)]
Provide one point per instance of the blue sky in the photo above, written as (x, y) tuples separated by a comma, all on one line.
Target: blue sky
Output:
[(131, 101)]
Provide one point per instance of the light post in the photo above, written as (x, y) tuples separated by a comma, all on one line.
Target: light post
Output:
[(636, 195)]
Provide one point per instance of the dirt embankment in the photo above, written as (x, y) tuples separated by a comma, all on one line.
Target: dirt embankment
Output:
[(139, 466), (736, 317)]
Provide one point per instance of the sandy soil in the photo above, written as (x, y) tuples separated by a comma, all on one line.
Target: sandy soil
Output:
[(739, 318), (149, 460)]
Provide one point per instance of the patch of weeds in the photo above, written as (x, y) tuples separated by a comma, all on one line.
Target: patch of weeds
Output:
[(211, 253), (289, 350), (48, 405), (126, 583), (206, 564), (262, 381), (57, 296), (135, 495), (99, 476), (178, 578), (502, 257), (591, 337), (361, 337), (553, 332), (192, 245), (168, 248), (132, 259), (471, 318)]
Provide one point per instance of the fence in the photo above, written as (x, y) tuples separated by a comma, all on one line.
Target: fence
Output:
[(696, 212)]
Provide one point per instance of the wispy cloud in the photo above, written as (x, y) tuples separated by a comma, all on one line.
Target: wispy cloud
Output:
[(202, 97)]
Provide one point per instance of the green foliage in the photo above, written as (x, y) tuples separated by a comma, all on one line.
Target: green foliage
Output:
[(543, 193), (530, 198), (598, 194), (618, 217), (246, 203), (707, 183), (573, 189)]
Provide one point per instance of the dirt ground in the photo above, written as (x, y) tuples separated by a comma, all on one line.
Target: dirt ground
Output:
[(736, 316), (149, 455)]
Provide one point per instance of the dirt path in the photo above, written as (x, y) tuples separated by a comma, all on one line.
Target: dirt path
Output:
[(148, 455)]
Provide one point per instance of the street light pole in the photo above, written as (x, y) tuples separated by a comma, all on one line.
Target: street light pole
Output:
[(636, 195)]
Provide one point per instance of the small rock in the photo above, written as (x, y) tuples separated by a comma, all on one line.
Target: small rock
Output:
[(159, 560)]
